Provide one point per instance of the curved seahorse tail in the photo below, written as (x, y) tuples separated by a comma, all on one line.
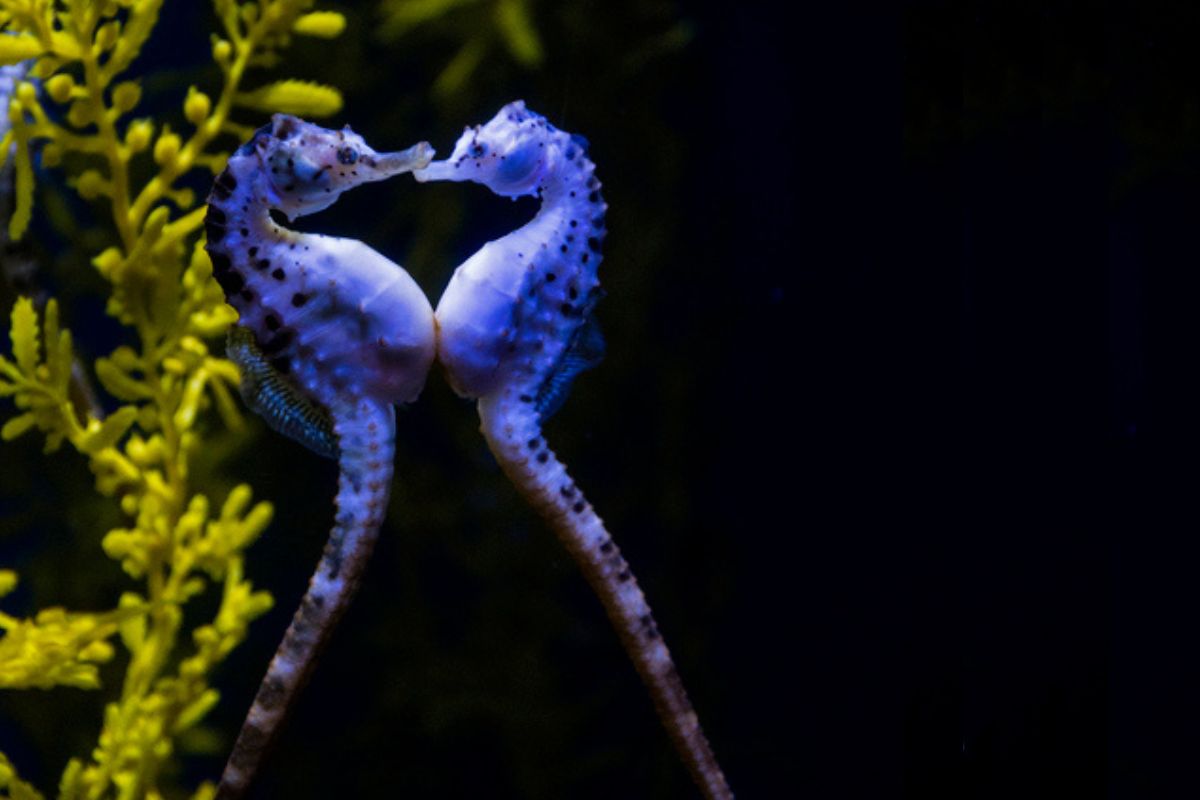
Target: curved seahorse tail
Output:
[(366, 439), (513, 433)]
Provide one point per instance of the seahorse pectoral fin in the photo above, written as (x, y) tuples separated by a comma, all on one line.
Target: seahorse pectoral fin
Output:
[(585, 351), (280, 404)]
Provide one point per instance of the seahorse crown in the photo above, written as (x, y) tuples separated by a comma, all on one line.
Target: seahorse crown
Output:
[(511, 154)]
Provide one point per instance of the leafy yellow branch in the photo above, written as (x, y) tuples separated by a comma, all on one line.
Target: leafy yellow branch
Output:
[(173, 543)]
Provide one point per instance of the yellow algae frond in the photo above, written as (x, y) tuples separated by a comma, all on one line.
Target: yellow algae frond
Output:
[(482, 27)]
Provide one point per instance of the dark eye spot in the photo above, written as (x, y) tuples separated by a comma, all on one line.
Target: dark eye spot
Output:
[(347, 155), (478, 150)]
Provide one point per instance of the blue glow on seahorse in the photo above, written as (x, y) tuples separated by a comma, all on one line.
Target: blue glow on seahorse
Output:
[(511, 311), (332, 335)]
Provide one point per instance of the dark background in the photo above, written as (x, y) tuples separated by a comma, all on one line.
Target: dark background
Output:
[(897, 425)]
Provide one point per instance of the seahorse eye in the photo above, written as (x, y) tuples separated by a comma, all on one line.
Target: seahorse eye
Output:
[(478, 150), (347, 155), (519, 164)]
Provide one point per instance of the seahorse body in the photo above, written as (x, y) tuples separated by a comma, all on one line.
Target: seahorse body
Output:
[(335, 329), (514, 327)]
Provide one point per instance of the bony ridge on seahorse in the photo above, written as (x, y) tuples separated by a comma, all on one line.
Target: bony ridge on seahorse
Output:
[(331, 335), (514, 328)]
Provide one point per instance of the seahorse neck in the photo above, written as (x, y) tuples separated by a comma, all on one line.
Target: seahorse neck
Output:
[(240, 195), (570, 185), (561, 247)]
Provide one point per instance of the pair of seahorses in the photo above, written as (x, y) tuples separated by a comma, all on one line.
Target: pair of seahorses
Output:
[(332, 335)]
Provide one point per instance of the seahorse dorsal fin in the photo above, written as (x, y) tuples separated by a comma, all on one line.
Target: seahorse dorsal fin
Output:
[(585, 351)]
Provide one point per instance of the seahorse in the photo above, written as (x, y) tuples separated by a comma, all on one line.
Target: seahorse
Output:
[(331, 335), (514, 328)]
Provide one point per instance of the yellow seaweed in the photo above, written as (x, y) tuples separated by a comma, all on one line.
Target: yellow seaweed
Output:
[(174, 544)]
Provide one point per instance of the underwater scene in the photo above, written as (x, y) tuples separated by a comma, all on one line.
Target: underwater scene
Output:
[(576, 399)]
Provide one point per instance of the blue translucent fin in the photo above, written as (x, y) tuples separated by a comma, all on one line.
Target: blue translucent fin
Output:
[(585, 351), (274, 399)]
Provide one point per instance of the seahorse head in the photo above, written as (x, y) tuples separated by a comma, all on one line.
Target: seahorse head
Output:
[(306, 167), (510, 154)]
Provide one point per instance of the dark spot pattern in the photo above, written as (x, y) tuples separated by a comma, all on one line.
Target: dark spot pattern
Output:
[(232, 283), (271, 693), (224, 185), (220, 262), (214, 224), (278, 342), (250, 741)]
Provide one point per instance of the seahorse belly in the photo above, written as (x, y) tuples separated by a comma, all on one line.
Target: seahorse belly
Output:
[(478, 314), (361, 317)]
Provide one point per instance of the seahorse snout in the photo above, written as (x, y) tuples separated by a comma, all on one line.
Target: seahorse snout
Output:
[(388, 164)]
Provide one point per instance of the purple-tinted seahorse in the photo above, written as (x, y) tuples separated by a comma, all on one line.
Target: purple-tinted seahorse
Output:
[(332, 335), (514, 328)]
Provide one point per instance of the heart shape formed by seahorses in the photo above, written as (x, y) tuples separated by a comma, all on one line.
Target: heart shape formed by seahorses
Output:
[(332, 334)]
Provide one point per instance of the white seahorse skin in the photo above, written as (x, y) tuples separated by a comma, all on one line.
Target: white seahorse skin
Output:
[(479, 315), (367, 324), (506, 318)]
